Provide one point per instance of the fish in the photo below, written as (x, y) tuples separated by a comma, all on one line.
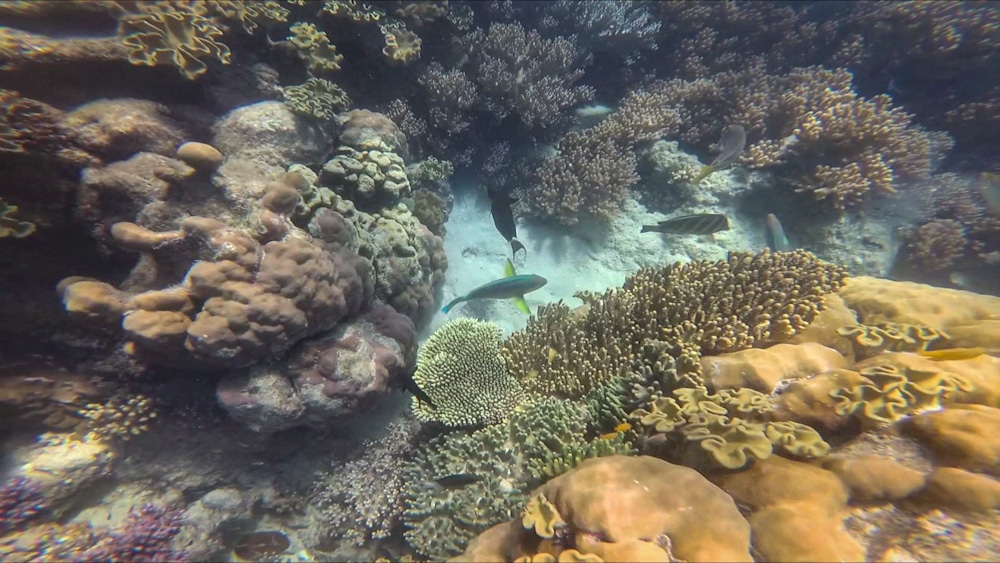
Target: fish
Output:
[(623, 427), (552, 354), (593, 114), (503, 218), (775, 235), (699, 224), (406, 383), (511, 286), (950, 354), (458, 480), (734, 139)]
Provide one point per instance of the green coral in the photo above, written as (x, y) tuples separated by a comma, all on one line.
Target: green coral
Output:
[(891, 393), (11, 227), (541, 439), (731, 426), (180, 39), (462, 371), (314, 48), (872, 340), (316, 97)]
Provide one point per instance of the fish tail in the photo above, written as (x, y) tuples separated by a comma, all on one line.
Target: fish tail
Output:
[(522, 305), (702, 174), (448, 307), (515, 245)]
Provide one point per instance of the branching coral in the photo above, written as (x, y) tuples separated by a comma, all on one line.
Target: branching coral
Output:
[(122, 417), (521, 73), (462, 371), (451, 95), (624, 26), (316, 97), (179, 39)]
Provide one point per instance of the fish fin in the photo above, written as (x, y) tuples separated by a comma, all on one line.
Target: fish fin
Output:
[(508, 268), (516, 245), (702, 174), (451, 304), (522, 305)]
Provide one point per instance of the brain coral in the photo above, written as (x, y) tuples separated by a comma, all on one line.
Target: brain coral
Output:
[(461, 369)]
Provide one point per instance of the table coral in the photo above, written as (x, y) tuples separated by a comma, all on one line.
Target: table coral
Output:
[(178, 39), (613, 506), (462, 371)]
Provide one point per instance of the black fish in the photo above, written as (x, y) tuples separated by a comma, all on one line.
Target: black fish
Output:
[(458, 480), (405, 382), (700, 224), (503, 217)]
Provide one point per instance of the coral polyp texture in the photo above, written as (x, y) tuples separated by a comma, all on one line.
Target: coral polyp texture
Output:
[(463, 372)]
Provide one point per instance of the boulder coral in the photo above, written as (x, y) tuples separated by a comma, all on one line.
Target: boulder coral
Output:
[(621, 509)]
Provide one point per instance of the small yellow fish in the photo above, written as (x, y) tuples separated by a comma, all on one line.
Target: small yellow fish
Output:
[(623, 427), (950, 354), (552, 354)]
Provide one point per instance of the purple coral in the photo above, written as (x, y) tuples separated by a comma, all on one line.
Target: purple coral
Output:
[(21, 500), (146, 536)]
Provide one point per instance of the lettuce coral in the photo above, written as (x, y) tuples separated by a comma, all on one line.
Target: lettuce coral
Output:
[(179, 39), (894, 392), (316, 98)]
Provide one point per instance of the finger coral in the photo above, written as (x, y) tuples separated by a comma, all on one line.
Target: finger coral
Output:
[(463, 372), (181, 40)]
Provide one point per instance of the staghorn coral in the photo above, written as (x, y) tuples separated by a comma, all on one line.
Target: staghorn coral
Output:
[(11, 227), (359, 499), (623, 27), (745, 301), (520, 73), (462, 371), (623, 509), (178, 39), (936, 245), (316, 98), (452, 98), (314, 48)]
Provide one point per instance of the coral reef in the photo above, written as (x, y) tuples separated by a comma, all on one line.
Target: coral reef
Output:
[(10, 226), (622, 509), (316, 98), (461, 369), (323, 380), (178, 39)]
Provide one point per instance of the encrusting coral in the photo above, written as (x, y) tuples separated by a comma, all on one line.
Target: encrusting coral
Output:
[(621, 509), (462, 371)]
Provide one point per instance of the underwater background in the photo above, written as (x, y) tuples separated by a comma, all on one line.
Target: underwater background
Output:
[(501, 280)]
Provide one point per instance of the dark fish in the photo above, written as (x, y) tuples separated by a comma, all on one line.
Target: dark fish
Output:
[(510, 287), (700, 224), (734, 139), (503, 218), (458, 480), (406, 383), (775, 235)]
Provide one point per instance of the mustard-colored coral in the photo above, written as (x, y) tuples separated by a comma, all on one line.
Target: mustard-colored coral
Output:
[(316, 97), (183, 40), (314, 48), (872, 340), (401, 45), (462, 371), (541, 516), (11, 227)]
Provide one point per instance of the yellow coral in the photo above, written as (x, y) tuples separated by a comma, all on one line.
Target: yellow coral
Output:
[(541, 516), (401, 45), (11, 227), (178, 39)]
